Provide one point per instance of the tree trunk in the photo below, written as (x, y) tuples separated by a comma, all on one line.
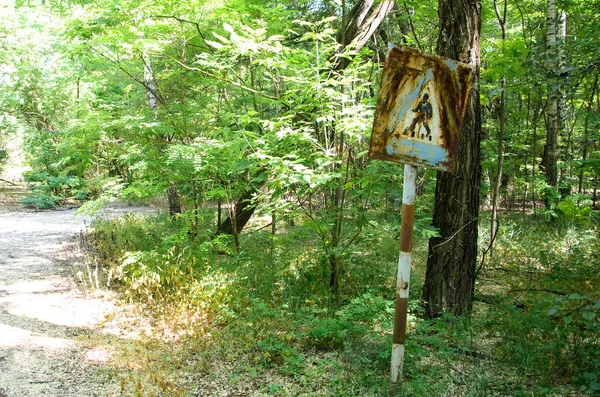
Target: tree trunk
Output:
[(219, 206), (534, 123), (562, 92), (494, 217), (550, 156), (172, 192), (585, 131), (360, 28), (174, 200), (242, 211), (337, 202), (450, 275)]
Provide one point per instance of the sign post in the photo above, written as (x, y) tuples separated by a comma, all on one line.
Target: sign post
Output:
[(404, 262), (420, 109)]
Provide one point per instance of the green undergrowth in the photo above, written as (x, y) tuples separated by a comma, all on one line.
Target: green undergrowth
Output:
[(262, 321)]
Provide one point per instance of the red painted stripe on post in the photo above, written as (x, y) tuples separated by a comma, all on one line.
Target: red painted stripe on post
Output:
[(400, 321), (406, 229)]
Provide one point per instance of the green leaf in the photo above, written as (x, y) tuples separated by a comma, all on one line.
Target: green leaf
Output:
[(577, 297), (553, 310), (588, 315)]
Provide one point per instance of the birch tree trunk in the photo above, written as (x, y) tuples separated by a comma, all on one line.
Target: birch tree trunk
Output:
[(450, 275), (534, 123), (562, 92), (550, 156)]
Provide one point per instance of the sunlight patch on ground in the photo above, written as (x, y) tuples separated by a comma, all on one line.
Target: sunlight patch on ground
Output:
[(126, 323), (52, 283), (15, 337), (98, 355), (49, 248), (57, 308), (10, 224)]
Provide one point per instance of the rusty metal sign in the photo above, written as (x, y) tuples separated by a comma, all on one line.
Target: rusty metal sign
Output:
[(420, 109)]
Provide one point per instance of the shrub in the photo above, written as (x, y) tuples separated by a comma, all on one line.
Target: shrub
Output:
[(3, 158), (42, 201)]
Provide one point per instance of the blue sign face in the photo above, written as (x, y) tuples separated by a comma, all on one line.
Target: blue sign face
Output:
[(420, 108)]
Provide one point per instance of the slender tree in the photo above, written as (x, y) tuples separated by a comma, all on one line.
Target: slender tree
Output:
[(494, 217), (172, 193), (450, 275), (586, 139), (550, 156)]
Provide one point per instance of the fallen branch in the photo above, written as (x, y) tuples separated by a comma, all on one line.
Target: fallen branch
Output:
[(551, 291), (446, 241)]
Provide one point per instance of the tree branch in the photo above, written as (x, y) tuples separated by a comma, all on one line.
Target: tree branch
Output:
[(9, 182), (128, 73), (196, 24), (412, 27), (223, 79), (551, 291)]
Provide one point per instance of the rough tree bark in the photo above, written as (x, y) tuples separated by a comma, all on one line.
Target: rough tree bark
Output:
[(450, 275), (174, 199)]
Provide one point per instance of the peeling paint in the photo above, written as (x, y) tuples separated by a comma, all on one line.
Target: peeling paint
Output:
[(420, 109), (397, 362)]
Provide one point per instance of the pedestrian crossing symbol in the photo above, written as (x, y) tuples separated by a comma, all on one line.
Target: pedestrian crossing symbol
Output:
[(420, 108)]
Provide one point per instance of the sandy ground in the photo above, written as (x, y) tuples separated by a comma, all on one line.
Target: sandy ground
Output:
[(44, 313)]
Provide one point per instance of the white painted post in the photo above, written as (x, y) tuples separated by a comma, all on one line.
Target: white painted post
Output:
[(403, 280)]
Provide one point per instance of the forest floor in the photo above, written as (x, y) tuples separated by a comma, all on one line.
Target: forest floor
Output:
[(63, 333), (222, 331), (45, 314)]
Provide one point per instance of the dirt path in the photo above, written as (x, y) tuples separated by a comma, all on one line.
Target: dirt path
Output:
[(43, 314)]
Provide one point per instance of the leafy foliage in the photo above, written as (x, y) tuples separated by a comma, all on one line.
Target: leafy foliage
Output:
[(269, 313), (249, 104)]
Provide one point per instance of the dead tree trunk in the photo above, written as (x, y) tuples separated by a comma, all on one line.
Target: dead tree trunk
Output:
[(360, 28)]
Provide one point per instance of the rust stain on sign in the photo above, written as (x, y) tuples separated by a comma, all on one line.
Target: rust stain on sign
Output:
[(420, 109)]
